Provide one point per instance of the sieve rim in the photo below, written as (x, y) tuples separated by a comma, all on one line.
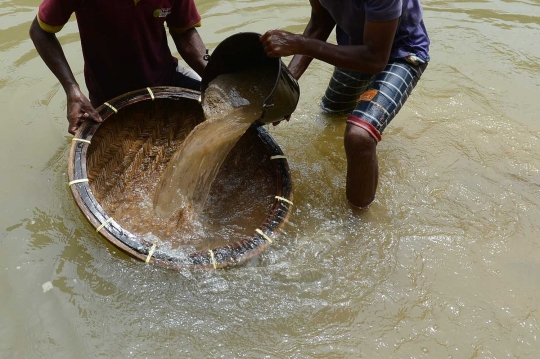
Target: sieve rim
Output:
[(137, 247)]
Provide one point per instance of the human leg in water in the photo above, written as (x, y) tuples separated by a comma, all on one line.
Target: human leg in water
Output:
[(362, 166), (376, 106)]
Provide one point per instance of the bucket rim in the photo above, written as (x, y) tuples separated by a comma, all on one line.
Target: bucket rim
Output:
[(252, 36)]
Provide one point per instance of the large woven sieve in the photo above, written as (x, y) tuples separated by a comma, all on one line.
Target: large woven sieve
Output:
[(146, 127)]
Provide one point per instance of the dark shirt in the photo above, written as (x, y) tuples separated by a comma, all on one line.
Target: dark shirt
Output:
[(124, 42), (411, 37)]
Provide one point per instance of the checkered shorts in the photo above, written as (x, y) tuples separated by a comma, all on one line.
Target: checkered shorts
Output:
[(372, 101)]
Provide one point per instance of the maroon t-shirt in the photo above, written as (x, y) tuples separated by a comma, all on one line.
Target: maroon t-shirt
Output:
[(124, 42)]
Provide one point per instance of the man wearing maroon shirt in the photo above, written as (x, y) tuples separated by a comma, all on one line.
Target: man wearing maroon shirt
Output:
[(124, 46)]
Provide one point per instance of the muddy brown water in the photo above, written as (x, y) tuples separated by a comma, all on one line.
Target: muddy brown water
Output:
[(231, 103), (181, 205), (444, 264)]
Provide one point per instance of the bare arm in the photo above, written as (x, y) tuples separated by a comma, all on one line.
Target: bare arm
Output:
[(371, 57), (319, 27), (191, 47), (50, 50)]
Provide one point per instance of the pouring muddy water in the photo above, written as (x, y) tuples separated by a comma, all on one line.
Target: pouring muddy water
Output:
[(241, 86), (232, 102), (167, 154), (444, 264)]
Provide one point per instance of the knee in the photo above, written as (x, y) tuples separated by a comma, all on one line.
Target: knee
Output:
[(358, 141)]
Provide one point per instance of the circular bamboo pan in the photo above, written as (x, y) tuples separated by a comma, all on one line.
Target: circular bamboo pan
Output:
[(147, 126)]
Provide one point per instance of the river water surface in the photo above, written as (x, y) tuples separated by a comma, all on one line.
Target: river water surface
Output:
[(445, 263)]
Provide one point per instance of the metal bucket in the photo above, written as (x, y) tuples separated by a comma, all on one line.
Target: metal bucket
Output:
[(140, 132), (243, 51)]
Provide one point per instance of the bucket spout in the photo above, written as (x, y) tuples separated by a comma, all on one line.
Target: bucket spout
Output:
[(243, 51)]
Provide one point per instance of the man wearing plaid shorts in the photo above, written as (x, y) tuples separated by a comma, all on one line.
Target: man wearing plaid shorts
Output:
[(383, 49)]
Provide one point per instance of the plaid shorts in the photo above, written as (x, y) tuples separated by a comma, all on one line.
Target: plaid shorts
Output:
[(372, 101)]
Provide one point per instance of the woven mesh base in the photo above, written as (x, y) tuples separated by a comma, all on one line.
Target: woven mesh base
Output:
[(139, 139)]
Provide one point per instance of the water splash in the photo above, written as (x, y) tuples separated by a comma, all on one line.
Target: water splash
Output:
[(231, 104)]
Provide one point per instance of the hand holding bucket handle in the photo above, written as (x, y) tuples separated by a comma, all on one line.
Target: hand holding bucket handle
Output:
[(280, 43)]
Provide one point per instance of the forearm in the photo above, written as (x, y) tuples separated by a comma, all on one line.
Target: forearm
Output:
[(351, 57), (78, 107), (371, 57), (318, 29), (50, 50), (191, 47)]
